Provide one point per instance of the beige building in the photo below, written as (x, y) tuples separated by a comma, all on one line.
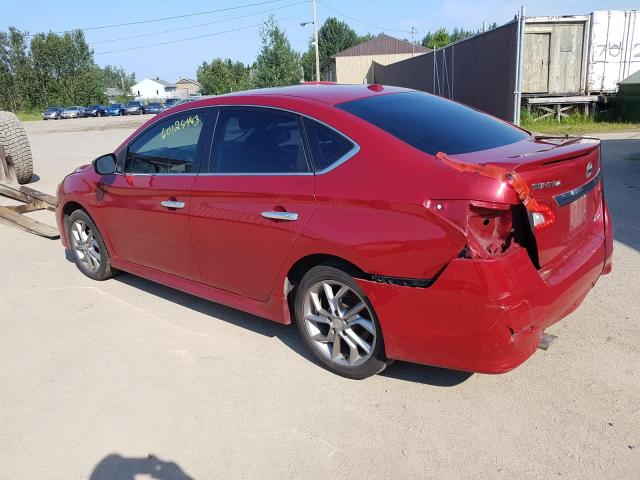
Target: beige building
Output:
[(355, 64), (186, 87)]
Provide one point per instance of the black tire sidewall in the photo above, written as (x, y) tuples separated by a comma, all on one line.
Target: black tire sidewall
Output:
[(377, 362), (105, 271)]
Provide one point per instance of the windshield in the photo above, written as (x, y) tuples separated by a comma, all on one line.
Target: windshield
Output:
[(116, 105), (154, 104), (133, 104), (433, 124), (52, 109)]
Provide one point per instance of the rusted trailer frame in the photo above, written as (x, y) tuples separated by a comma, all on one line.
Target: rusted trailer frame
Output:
[(33, 200)]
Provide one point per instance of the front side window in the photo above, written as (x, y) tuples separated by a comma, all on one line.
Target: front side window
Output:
[(328, 147), (258, 141), (170, 146)]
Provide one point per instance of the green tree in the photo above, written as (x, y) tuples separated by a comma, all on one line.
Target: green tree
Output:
[(277, 63), (63, 71), (53, 70), (223, 76), (112, 76), (333, 37), (14, 69), (437, 39)]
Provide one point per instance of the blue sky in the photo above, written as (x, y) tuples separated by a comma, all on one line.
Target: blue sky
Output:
[(176, 58)]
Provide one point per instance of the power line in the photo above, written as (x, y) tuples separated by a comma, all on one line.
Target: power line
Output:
[(188, 27), (171, 42), (152, 20), (364, 23)]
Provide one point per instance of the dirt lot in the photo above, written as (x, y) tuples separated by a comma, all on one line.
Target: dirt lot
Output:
[(95, 377)]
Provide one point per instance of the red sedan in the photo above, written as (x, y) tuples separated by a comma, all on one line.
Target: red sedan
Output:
[(386, 223)]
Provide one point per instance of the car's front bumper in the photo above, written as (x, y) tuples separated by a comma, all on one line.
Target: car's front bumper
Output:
[(487, 315)]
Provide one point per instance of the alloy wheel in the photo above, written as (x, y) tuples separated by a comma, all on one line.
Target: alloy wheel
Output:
[(85, 246), (339, 323)]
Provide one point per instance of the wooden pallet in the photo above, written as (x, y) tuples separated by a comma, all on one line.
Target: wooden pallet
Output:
[(33, 200)]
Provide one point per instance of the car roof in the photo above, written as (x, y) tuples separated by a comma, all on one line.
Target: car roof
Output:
[(324, 92)]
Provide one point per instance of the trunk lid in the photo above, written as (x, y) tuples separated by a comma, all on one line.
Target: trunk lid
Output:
[(563, 175)]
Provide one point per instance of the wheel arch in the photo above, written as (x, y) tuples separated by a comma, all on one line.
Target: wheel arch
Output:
[(67, 209), (301, 266)]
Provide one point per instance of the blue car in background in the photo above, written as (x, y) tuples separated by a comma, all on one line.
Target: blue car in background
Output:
[(154, 108), (95, 111), (116, 109)]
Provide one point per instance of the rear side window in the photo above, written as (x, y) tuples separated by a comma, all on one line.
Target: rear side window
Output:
[(327, 146), (433, 124), (168, 147), (258, 141)]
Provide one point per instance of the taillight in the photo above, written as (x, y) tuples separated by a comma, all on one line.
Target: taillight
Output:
[(543, 216), (488, 226)]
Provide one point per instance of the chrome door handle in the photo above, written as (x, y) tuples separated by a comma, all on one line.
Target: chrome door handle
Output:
[(286, 216), (172, 204)]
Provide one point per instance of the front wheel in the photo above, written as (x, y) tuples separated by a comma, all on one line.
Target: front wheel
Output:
[(88, 248), (338, 323)]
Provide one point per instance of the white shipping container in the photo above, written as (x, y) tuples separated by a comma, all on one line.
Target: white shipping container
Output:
[(614, 49)]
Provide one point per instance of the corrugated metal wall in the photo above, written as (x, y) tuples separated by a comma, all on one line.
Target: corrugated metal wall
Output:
[(479, 71)]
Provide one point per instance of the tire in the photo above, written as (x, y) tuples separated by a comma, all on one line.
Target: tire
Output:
[(16, 144), (87, 246), (319, 331)]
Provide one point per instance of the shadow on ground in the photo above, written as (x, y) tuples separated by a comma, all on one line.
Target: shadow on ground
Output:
[(116, 467), (287, 334), (621, 173)]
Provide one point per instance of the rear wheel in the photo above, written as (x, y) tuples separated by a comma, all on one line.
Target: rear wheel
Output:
[(88, 248), (338, 323)]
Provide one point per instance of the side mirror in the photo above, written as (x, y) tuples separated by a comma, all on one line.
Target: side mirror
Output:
[(105, 165)]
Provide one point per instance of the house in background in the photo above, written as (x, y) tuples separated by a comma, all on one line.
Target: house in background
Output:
[(112, 93), (153, 89), (187, 87), (355, 64)]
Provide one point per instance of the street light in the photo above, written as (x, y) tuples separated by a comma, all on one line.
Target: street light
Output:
[(315, 37)]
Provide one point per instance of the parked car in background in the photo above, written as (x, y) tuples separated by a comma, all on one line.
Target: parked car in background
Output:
[(75, 111), (135, 108), (154, 107), (52, 113), (95, 111), (116, 109), (461, 241), (171, 102)]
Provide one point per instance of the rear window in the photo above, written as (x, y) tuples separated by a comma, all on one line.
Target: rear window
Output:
[(433, 124)]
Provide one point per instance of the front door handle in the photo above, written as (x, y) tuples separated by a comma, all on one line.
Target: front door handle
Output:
[(286, 216), (172, 204)]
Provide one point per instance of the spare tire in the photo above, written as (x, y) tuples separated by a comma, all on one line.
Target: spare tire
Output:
[(16, 145)]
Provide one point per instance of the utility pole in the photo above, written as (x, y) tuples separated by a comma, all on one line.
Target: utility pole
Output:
[(315, 38), (413, 41)]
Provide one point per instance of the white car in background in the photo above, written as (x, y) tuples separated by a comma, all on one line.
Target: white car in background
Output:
[(73, 112)]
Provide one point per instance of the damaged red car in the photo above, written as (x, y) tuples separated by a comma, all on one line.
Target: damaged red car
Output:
[(385, 223)]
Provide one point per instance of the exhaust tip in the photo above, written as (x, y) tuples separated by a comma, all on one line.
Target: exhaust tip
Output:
[(546, 341)]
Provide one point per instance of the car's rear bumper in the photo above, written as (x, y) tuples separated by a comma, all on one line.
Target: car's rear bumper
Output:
[(487, 315)]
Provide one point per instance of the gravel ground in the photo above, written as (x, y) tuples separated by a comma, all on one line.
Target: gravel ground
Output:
[(126, 377)]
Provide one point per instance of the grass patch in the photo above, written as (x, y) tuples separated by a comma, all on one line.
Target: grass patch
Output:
[(29, 116), (574, 124)]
